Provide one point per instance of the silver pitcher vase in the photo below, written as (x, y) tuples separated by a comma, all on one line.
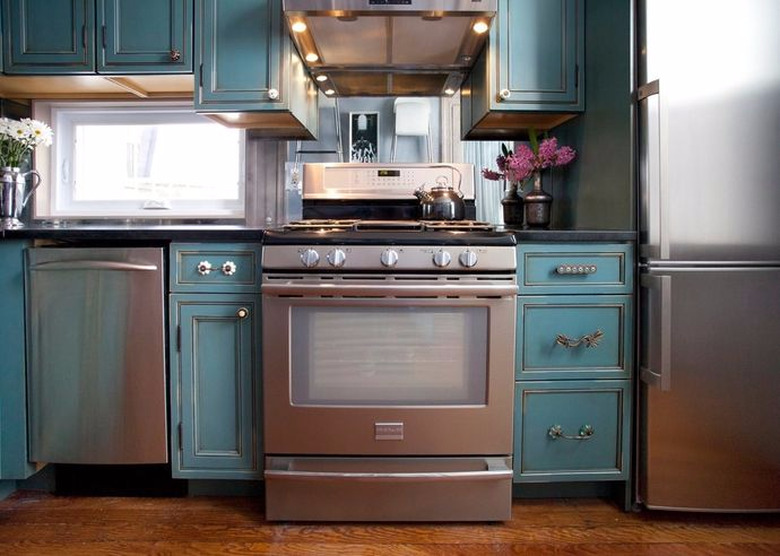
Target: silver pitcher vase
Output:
[(14, 194)]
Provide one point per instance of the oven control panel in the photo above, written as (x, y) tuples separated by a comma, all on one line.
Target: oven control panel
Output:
[(350, 181), (378, 257)]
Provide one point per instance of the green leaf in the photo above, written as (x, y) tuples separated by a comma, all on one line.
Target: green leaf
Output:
[(533, 138)]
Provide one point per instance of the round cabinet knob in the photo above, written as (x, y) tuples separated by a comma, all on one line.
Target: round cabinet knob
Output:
[(273, 94), (175, 55), (505, 94), (442, 258), (204, 268), (242, 313), (337, 258), (310, 258), (389, 257), (468, 258), (229, 268)]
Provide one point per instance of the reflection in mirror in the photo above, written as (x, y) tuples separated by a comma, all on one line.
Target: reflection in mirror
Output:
[(399, 136)]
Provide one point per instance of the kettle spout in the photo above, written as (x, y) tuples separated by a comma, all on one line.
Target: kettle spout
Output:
[(422, 195)]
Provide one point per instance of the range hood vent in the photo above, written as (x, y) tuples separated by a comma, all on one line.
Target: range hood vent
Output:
[(389, 47)]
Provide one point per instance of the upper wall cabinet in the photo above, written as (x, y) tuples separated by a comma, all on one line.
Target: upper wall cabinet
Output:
[(47, 37), (248, 73), (530, 74)]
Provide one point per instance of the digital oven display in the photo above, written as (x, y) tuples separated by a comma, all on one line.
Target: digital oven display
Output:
[(388, 173)]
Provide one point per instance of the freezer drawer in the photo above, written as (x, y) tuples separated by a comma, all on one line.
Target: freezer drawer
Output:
[(96, 382), (572, 337), (709, 356), (571, 430)]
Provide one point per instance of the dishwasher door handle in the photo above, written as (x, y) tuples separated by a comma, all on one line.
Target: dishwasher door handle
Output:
[(93, 265)]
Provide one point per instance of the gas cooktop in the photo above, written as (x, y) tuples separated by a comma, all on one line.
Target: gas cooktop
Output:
[(390, 232)]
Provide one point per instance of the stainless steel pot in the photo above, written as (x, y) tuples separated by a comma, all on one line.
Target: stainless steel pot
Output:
[(442, 202)]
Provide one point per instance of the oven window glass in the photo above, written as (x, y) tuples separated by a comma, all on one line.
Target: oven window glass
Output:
[(389, 355)]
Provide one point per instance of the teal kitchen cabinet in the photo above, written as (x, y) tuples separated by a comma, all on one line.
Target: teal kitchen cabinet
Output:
[(13, 398), (531, 73), (43, 37), (215, 366), (248, 73), (574, 362)]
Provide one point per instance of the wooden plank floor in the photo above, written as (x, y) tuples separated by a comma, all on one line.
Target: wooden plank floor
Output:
[(41, 524)]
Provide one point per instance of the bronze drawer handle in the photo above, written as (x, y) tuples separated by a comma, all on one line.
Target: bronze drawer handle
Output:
[(588, 340), (586, 432)]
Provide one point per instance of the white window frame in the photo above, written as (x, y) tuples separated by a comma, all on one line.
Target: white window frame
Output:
[(54, 198)]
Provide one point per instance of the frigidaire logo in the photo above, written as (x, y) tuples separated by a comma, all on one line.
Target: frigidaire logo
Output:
[(388, 431)]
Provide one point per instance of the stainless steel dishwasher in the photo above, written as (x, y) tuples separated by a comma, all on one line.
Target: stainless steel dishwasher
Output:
[(96, 352)]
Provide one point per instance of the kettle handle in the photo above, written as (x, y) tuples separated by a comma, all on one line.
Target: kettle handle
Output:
[(442, 181), (36, 182)]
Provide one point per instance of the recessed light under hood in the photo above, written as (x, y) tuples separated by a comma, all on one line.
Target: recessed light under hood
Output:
[(389, 47)]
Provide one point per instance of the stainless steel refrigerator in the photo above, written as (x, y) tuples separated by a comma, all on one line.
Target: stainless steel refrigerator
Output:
[(709, 327)]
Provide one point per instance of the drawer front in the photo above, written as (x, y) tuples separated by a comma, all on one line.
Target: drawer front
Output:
[(571, 431), (575, 268), (215, 267), (574, 336)]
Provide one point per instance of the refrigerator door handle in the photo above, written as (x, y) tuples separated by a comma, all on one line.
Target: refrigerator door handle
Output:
[(659, 337), (652, 164)]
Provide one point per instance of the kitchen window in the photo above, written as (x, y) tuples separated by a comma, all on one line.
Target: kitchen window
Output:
[(131, 160)]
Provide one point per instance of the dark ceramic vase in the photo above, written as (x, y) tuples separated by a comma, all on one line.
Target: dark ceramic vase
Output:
[(512, 204), (537, 205)]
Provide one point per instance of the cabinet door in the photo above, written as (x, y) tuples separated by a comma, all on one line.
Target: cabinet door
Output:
[(145, 36), (13, 403), (215, 386), (540, 53), (49, 36), (239, 43)]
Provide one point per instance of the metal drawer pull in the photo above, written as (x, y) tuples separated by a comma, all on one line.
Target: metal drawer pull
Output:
[(576, 269), (242, 313), (586, 432), (588, 340), (228, 268)]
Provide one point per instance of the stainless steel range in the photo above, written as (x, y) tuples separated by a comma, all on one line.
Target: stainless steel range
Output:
[(388, 350)]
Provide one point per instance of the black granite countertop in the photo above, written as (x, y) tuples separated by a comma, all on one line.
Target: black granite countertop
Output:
[(135, 231)]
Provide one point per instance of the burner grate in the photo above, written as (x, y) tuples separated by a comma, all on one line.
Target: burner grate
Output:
[(390, 225)]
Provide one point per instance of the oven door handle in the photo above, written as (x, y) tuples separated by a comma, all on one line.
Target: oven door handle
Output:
[(387, 290), (496, 469)]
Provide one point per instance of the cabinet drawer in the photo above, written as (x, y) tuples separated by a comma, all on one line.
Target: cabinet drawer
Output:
[(574, 336), (214, 267), (571, 431), (574, 268)]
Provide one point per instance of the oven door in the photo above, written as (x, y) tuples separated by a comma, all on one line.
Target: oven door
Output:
[(388, 367)]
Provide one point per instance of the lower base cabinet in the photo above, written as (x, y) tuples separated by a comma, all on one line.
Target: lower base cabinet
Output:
[(215, 386), (13, 401), (571, 430)]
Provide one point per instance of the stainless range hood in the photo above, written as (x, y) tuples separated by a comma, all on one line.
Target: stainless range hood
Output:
[(389, 47)]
